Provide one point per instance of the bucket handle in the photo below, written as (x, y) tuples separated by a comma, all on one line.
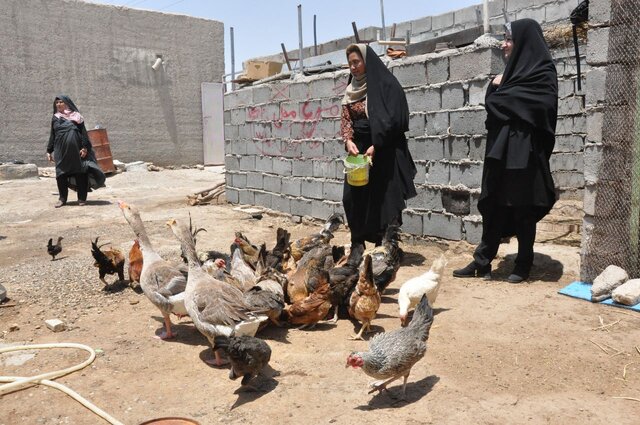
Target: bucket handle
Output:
[(369, 161)]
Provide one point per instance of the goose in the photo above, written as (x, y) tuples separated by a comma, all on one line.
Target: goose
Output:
[(215, 307), (162, 283)]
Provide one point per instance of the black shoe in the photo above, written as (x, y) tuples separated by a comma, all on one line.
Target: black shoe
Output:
[(518, 275), (474, 270)]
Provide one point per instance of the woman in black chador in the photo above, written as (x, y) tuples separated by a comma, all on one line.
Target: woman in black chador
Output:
[(76, 166), (517, 187), (375, 116)]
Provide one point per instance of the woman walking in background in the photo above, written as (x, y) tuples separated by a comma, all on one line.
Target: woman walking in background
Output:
[(375, 116), (69, 145), (517, 186)]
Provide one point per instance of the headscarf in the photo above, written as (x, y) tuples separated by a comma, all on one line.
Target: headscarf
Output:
[(357, 87), (74, 116), (529, 88)]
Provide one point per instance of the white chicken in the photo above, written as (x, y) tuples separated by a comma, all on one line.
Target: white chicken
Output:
[(426, 284)]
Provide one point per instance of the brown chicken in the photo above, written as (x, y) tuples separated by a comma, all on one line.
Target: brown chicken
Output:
[(250, 252), (343, 279), (299, 284), (108, 261), (306, 244), (313, 308), (365, 300), (135, 262)]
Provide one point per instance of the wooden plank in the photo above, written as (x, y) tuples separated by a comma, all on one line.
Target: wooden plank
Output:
[(458, 39)]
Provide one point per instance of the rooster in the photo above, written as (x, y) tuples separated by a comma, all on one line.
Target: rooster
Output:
[(343, 279), (392, 354), (108, 261), (56, 249), (277, 257), (306, 244), (248, 355), (426, 284), (194, 233), (250, 252), (135, 262), (365, 300), (313, 308), (386, 258)]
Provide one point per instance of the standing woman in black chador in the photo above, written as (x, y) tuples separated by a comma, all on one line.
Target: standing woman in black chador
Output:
[(375, 116), (69, 145), (517, 187)]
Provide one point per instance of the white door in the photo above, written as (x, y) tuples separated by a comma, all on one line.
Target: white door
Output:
[(212, 123)]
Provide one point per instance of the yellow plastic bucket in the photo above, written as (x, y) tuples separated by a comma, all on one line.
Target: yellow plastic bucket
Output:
[(357, 169)]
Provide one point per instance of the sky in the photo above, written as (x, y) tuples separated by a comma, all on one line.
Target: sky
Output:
[(261, 25)]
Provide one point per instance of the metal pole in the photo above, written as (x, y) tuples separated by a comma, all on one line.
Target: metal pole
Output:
[(384, 34), (315, 40), (300, 38), (233, 60), (485, 16)]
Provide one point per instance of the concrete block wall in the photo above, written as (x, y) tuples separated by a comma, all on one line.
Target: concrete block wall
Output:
[(284, 152), (101, 56)]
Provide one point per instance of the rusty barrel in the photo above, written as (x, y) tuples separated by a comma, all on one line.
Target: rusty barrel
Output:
[(100, 142)]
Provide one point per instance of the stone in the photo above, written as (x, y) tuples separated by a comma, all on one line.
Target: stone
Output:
[(604, 284), (18, 171), (56, 325), (628, 293), (3, 293)]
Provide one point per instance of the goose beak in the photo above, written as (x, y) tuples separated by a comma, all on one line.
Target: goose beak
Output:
[(122, 204), (171, 222)]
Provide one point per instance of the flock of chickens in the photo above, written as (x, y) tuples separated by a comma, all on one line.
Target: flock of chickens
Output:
[(230, 297)]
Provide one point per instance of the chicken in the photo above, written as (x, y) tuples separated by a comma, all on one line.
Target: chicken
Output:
[(386, 258), (298, 286), (265, 300), (392, 354), (313, 308), (217, 269), (108, 261), (56, 249), (135, 262), (194, 233), (365, 300), (306, 244), (426, 284), (249, 251), (242, 271), (248, 355), (342, 280), (277, 257)]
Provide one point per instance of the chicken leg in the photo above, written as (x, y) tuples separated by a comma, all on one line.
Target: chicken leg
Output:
[(167, 334), (382, 385), (365, 325)]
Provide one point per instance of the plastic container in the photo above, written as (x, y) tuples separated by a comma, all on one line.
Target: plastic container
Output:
[(357, 169)]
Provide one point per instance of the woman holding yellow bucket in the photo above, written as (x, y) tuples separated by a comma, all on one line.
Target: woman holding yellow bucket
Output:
[(375, 116)]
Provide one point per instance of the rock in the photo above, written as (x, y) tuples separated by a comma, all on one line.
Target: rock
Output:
[(200, 167), (628, 293), (14, 327), (55, 325), (136, 166), (606, 282), (18, 171), (152, 167), (3, 293), (120, 166)]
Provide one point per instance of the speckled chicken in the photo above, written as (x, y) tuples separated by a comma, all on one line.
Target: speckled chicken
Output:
[(365, 300), (306, 244), (392, 354), (248, 355), (386, 258)]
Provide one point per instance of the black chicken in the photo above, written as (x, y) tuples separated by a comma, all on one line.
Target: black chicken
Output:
[(108, 261), (280, 253), (343, 279), (56, 249), (248, 355), (386, 258)]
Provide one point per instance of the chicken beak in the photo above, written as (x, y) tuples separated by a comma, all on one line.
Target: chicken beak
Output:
[(171, 222)]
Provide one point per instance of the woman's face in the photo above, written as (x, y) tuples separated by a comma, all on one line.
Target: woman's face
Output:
[(507, 46), (61, 106), (356, 64)]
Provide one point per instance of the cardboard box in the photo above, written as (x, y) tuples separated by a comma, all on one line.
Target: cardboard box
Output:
[(257, 70)]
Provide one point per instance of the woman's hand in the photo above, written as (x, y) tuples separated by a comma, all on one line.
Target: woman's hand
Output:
[(497, 80), (83, 153), (370, 152), (49, 157), (351, 147)]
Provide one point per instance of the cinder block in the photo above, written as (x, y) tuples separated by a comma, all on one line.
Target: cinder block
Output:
[(272, 183), (419, 26), (291, 186), (261, 94), (477, 92), (558, 11), (515, 5), (470, 121), (568, 179), (279, 92), (300, 206), (412, 222), (323, 209), (452, 96), (571, 105), (538, 14), (592, 158), (325, 169), (598, 46), (566, 87), (416, 125), (566, 162), (421, 172), (246, 131), (474, 64), (472, 230), (333, 148), (456, 148), (327, 128), (411, 75), (456, 202), (231, 195), (564, 125), (311, 148), (310, 110), (299, 91), (289, 111), (589, 200), (238, 116), (569, 143), (340, 83), (281, 129), (474, 204), (254, 180), (321, 87), (468, 15), (246, 197), (239, 180), (427, 199), (426, 148), (303, 130), (600, 12), (302, 168), (247, 163), (438, 70), (438, 173), (281, 203), (440, 22), (231, 163), (263, 199), (311, 188), (281, 166), (423, 100), (230, 132), (332, 190), (477, 147), (238, 98), (467, 174), (442, 226), (331, 108), (437, 123), (579, 124)]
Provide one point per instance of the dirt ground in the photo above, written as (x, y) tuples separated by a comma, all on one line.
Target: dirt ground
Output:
[(498, 353)]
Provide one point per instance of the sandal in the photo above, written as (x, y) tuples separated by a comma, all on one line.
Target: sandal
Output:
[(59, 204), (82, 203)]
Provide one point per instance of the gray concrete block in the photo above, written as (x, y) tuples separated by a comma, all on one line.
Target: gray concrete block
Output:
[(332, 190), (469, 121), (231, 163), (246, 131), (456, 202), (303, 130), (263, 199), (566, 162), (468, 15), (299, 91), (262, 130), (279, 147), (472, 230), (312, 188), (416, 125), (589, 200), (281, 129), (411, 75), (239, 180), (290, 110), (598, 46), (426, 148), (264, 164), (261, 94), (18, 171), (412, 222), (325, 169), (571, 105), (310, 110), (226, 117), (474, 64), (420, 25), (327, 128), (538, 14), (421, 172), (440, 22), (437, 123), (474, 204), (254, 180), (568, 179), (427, 199), (230, 132), (477, 146), (247, 163), (558, 11), (422, 100), (291, 186), (438, 173), (452, 96), (282, 166), (281, 203), (566, 87), (477, 91), (321, 88), (231, 195), (301, 206), (279, 92), (438, 70), (331, 108), (271, 183), (246, 197), (442, 226), (302, 168), (592, 158), (515, 5), (238, 99), (469, 175), (564, 125), (263, 112), (456, 148), (311, 148), (238, 116), (579, 124), (599, 12), (569, 143), (333, 148), (323, 209)]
